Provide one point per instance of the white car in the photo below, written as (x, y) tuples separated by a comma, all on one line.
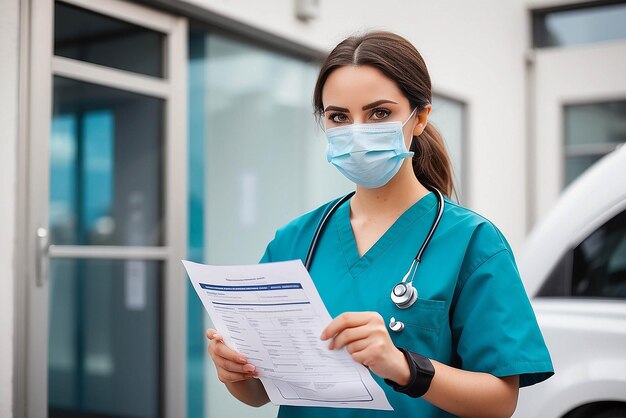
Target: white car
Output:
[(574, 269)]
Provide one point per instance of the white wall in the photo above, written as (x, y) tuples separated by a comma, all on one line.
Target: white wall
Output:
[(562, 76), (556, 72), (474, 51), (9, 12)]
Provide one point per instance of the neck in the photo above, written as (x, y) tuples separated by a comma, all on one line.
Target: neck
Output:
[(392, 199)]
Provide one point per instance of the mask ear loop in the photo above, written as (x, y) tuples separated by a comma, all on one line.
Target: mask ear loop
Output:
[(412, 144), (410, 116)]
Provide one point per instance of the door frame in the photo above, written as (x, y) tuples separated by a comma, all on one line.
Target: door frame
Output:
[(38, 65)]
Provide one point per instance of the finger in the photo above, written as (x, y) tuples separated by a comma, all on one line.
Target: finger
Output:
[(356, 346), (349, 335), (343, 321), (233, 366), (228, 377), (224, 351), (369, 354), (363, 356), (213, 334)]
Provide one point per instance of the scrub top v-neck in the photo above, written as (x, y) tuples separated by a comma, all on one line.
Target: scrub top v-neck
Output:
[(357, 263), (471, 313)]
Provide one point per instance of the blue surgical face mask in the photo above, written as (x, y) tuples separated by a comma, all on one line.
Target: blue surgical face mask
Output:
[(368, 154)]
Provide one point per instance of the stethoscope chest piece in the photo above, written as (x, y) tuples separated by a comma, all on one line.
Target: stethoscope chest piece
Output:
[(404, 295)]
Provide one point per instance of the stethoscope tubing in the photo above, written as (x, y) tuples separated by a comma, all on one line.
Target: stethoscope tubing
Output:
[(418, 257)]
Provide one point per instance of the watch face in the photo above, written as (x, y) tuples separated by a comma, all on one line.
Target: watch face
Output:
[(423, 364)]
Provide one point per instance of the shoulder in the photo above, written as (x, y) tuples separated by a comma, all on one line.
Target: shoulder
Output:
[(481, 238), (292, 240)]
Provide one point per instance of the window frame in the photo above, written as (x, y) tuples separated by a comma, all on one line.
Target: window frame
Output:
[(538, 15)]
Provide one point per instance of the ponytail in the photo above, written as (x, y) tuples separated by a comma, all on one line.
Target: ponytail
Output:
[(431, 162)]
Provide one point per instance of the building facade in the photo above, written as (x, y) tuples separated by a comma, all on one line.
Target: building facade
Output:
[(139, 133)]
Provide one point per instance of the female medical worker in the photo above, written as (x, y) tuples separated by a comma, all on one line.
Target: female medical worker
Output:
[(470, 339)]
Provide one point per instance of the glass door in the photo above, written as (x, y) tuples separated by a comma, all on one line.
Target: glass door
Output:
[(107, 211)]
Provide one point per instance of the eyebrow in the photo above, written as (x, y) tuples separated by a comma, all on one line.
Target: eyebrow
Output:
[(377, 103), (366, 107)]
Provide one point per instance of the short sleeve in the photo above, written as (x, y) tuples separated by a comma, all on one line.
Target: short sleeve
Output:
[(267, 255), (494, 326)]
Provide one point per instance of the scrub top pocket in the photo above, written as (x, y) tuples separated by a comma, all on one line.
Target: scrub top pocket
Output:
[(422, 324)]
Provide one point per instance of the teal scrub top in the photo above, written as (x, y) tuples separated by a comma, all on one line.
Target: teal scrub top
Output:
[(472, 311)]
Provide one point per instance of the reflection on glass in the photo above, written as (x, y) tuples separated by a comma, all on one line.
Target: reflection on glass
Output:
[(595, 123), (266, 158), (575, 166), (87, 36), (580, 26), (448, 116), (106, 165), (592, 130), (258, 161), (197, 67), (599, 268), (104, 357)]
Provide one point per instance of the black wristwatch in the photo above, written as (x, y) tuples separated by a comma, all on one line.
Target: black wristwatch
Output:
[(422, 373)]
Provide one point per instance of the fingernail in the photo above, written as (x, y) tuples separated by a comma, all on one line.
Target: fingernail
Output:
[(249, 367), (323, 336), (243, 360), (331, 345)]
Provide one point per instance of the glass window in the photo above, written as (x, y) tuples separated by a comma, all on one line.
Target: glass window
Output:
[(96, 308), (106, 166), (265, 159), (591, 131), (599, 268), (87, 36), (579, 25), (448, 116), (559, 281), (257, 160)]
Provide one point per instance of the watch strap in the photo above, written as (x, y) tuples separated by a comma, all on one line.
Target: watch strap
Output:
[(421, 375)]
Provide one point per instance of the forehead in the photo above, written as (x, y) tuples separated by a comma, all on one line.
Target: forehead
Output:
[(359, 85)]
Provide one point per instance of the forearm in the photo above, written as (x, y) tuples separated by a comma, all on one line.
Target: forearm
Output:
[(249, 391), (471, 394)]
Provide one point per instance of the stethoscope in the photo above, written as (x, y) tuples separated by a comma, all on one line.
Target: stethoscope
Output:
[(403, 294)]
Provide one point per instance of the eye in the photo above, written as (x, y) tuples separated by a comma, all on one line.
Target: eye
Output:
[(380, 113), (338, 117)]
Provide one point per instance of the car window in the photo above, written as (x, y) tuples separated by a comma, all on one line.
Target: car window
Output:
[(599, 262)]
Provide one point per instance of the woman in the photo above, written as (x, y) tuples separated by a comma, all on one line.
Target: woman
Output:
[(469, 340)]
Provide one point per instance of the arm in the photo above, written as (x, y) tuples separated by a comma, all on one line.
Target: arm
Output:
[(250, 391), (460, 392), (235, 372), (471, 394)]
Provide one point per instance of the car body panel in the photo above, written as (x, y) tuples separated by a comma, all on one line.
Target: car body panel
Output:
[(586, 336)]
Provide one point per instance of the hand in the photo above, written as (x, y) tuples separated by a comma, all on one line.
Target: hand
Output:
[(231, 366), (365, 337)]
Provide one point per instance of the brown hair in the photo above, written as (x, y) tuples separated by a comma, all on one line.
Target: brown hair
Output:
[(398, 59)]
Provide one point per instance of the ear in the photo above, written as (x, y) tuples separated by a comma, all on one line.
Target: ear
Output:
[(421, 118)]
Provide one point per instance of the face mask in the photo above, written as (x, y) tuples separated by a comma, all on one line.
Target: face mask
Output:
[(368, 154)]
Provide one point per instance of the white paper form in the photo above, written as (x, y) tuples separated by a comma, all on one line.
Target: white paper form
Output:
[(273, 314)]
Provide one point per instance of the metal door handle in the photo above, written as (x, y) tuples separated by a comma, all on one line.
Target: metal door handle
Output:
[(43, 259)]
